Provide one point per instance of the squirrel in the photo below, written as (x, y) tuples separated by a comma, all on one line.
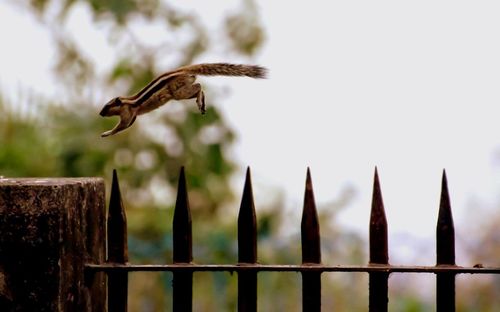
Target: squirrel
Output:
[(178, 84)]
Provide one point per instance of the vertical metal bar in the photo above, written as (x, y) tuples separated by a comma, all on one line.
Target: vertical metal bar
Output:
[(378, 281), (247, 249), (117, 249), (445, 251), (311, 250), (182, 242)]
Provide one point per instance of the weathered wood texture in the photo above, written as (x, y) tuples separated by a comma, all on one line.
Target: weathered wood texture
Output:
[(48, 229)]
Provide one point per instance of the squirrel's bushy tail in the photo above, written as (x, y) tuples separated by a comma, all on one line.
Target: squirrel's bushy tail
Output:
[(226, 69)]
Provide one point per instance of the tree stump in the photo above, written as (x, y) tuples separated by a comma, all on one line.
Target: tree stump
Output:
[(49, 228)]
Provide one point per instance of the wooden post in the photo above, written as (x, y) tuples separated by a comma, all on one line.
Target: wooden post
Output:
[(48, 229)]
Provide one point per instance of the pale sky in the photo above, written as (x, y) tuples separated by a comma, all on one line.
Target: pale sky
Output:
[(410, 87)]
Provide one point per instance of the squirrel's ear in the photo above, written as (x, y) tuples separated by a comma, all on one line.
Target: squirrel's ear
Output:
[(114, 102), (111, 108)]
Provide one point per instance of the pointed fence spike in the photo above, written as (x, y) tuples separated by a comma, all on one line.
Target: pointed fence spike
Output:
[(308, 178), (115, 200), (247, 248), (182, 229), (117, 225), (311, 249), (445, 251), (182, 283), (379, 252), (117, 248), (247, 224), (445, 230), (310, 234), (378, 226)]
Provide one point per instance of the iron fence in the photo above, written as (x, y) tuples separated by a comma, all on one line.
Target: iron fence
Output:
[(183, 267)]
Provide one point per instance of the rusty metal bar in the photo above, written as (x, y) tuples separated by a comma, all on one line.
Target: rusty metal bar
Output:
[(311, 250), (182, 251), (117, 249), (185, 267), (247, 249), (379, 251), (445, 251)]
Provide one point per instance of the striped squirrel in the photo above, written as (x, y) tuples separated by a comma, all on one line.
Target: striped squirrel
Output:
[(178, 85)]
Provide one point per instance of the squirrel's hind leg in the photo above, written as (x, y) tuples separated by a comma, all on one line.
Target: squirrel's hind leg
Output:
[(200, 100), (190, 91)]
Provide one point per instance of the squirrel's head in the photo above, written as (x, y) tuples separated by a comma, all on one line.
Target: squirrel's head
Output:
[(127, 114), (112, 108)]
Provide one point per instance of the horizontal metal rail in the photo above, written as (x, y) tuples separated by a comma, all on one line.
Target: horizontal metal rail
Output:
[(111, 267)]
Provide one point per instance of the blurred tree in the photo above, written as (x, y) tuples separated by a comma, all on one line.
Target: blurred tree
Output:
[(482, 248), (174, 136)]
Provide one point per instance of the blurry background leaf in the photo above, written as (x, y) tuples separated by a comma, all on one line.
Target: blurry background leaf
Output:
[(244, 30)]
